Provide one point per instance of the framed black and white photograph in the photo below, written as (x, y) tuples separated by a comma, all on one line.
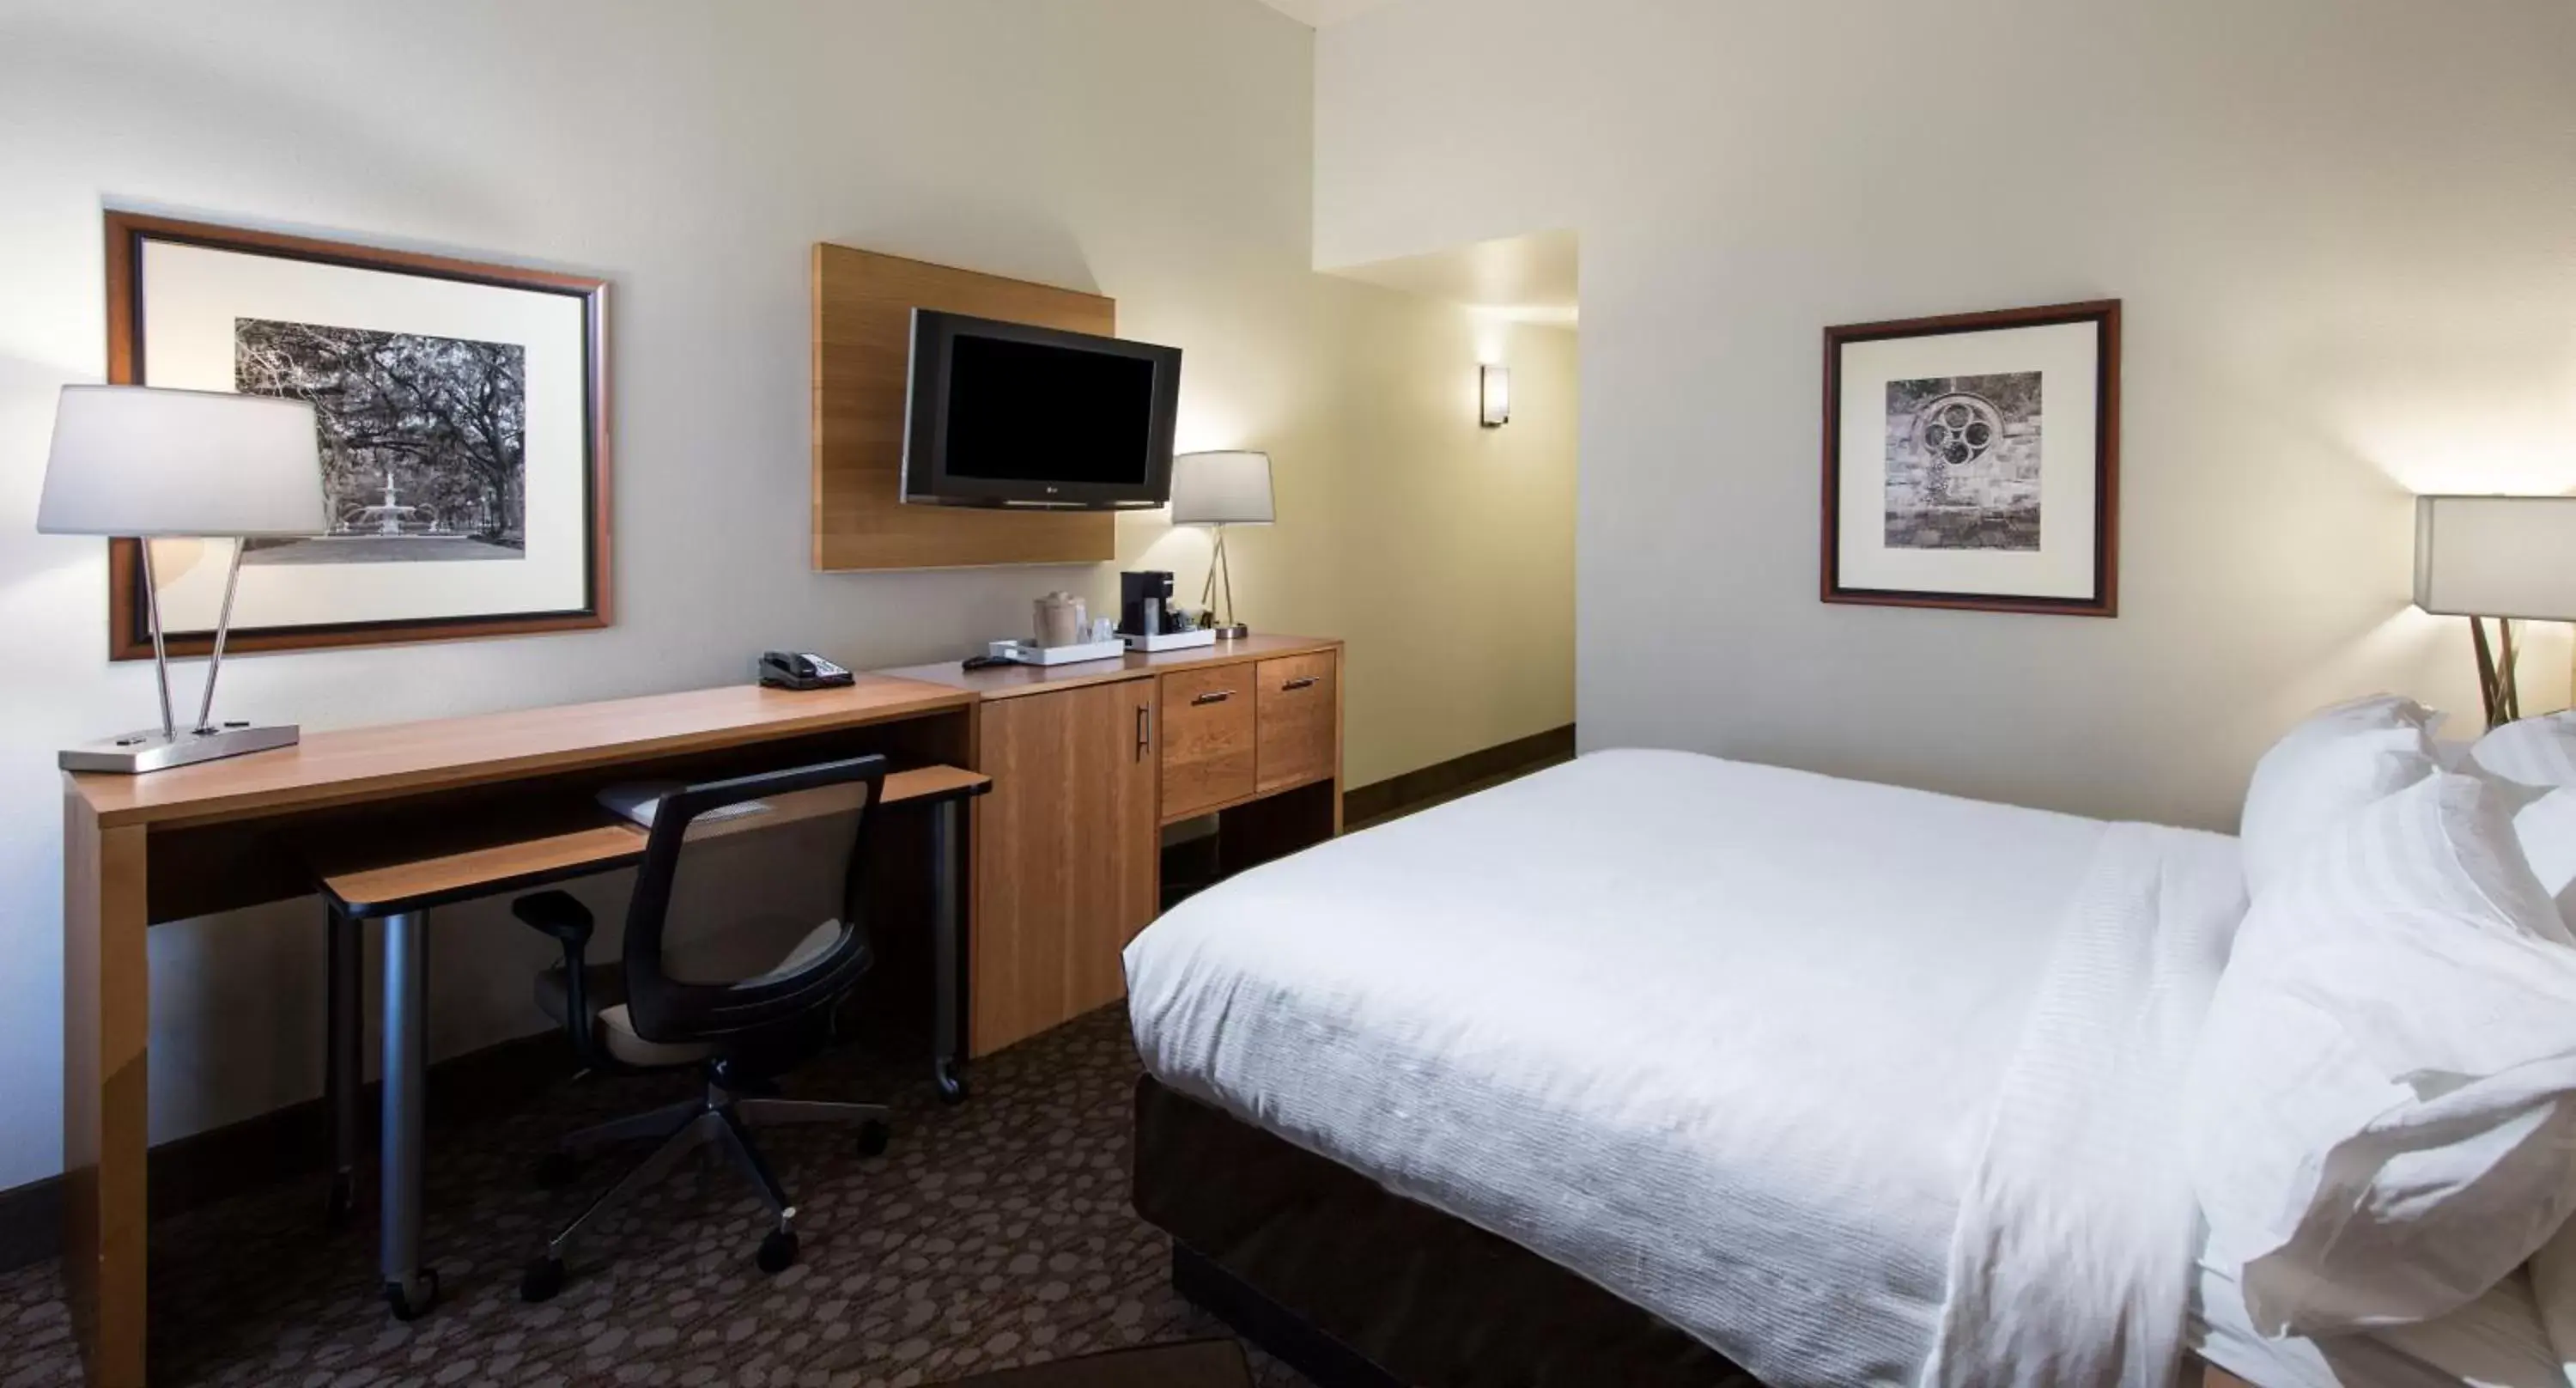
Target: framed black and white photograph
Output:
[(1972, 461), (462, 413)]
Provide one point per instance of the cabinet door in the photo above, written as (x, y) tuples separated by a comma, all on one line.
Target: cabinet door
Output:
[(1066, 851), (1297, 712), (1208, 752)]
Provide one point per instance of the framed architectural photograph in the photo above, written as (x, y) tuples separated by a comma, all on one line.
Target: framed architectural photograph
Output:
[(463, 412), (1973, 461)]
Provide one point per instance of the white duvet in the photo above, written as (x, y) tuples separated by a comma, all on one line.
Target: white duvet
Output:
[(1854, 1083)]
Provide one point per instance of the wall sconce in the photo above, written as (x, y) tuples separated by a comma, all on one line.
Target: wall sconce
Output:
[(1494, 396)]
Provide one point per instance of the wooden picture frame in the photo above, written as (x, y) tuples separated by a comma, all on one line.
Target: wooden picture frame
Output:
[(1970, 391), (131, 236)]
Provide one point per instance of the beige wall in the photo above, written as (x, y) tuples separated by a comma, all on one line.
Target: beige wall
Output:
[(1158, 151), (2341, 229), (1442, 551)]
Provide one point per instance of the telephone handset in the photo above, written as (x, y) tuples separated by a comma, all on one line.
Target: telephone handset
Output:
[(801, 670)]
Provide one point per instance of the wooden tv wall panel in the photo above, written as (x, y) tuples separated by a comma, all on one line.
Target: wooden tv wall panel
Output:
[(863, 305)]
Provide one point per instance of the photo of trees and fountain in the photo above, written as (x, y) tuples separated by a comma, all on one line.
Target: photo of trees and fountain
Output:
[(424, 453)]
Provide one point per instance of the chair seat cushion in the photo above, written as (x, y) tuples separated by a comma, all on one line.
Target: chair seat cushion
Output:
[(611, 1024), (713, 959), (688, 962)]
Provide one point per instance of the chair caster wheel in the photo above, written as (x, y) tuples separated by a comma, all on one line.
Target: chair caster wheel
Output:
[(873, 1138), (557, 1169), (410, 1303), (544, 1278), (777, 1251)]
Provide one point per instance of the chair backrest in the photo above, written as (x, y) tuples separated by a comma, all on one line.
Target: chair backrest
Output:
[(668, 1009)]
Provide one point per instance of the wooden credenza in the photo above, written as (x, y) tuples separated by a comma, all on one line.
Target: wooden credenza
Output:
[(1090, 763)]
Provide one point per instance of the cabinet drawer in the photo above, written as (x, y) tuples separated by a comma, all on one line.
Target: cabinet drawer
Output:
[(1208, 754), (1297, 707)]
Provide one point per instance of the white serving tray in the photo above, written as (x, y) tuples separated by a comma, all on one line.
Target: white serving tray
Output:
[(1170, 640), (1030, 653)]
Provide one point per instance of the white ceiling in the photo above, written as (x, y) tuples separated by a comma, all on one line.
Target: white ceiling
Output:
[(1529, 279), (1319, 13)]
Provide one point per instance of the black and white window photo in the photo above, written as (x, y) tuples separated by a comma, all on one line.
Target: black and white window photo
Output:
[(424, 449), (1963, 462), (1941, 486)]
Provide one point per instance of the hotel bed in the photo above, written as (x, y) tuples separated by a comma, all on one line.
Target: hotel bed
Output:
[(1842, 1082)]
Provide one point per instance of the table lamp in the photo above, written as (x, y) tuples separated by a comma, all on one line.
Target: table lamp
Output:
[(167, 464), (2507, 557), (1221, 489)]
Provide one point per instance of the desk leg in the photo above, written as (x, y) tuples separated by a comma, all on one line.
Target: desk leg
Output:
[(948, 949), (344, 1072), (107, 1028), (410, 1287)]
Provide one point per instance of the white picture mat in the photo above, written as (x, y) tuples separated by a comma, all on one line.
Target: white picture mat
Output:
[(2068, 358), (192, 294)]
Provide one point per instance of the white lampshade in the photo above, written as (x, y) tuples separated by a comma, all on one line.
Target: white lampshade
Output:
[(2496, 556), (145, 462), (1227, 488)]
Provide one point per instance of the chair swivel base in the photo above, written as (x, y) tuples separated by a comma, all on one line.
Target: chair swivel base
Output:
[(720, 1119)]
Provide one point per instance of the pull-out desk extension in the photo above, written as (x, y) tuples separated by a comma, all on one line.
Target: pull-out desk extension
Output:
[(400, 890)]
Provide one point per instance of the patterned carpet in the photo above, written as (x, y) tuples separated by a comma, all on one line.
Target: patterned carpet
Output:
[(992, 1234)]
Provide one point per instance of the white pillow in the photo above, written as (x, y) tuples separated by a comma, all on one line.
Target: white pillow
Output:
[(2383, 1101), (2546, 829), (2530, 751), (2537, 752), (2334, 762), (2553, 1286)]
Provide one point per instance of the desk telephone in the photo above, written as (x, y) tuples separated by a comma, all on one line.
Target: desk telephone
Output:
[(801, 670)]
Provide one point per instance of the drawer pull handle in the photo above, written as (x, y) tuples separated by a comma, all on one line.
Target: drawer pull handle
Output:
[(1144, 729), (1213, 696), (1298, 683)]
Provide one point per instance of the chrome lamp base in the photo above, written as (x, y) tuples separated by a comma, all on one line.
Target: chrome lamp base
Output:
[(173, 743), (1229, 629), (153, 750)]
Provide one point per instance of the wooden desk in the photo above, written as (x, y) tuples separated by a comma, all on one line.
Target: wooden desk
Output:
[(371, 884), (138, 850), (399, 882)]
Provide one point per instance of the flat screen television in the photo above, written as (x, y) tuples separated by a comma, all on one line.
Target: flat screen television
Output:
[(1004, 414)]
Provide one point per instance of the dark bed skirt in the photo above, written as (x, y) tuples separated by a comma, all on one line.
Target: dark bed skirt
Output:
[(1359, 1288)]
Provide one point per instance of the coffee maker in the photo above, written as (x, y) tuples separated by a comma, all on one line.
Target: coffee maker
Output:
[(1145, 602), (1147, 620)]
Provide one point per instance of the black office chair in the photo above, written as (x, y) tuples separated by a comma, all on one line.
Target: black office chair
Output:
[(743, 1010)]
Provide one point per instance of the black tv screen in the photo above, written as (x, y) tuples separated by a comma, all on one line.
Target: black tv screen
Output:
[(1004, 414)]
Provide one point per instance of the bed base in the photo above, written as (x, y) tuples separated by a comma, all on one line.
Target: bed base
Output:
[(1355, 1287), (1325, 1361)]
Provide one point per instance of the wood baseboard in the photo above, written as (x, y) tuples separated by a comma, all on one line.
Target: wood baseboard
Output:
[(1381, 798), (193, 1171)]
